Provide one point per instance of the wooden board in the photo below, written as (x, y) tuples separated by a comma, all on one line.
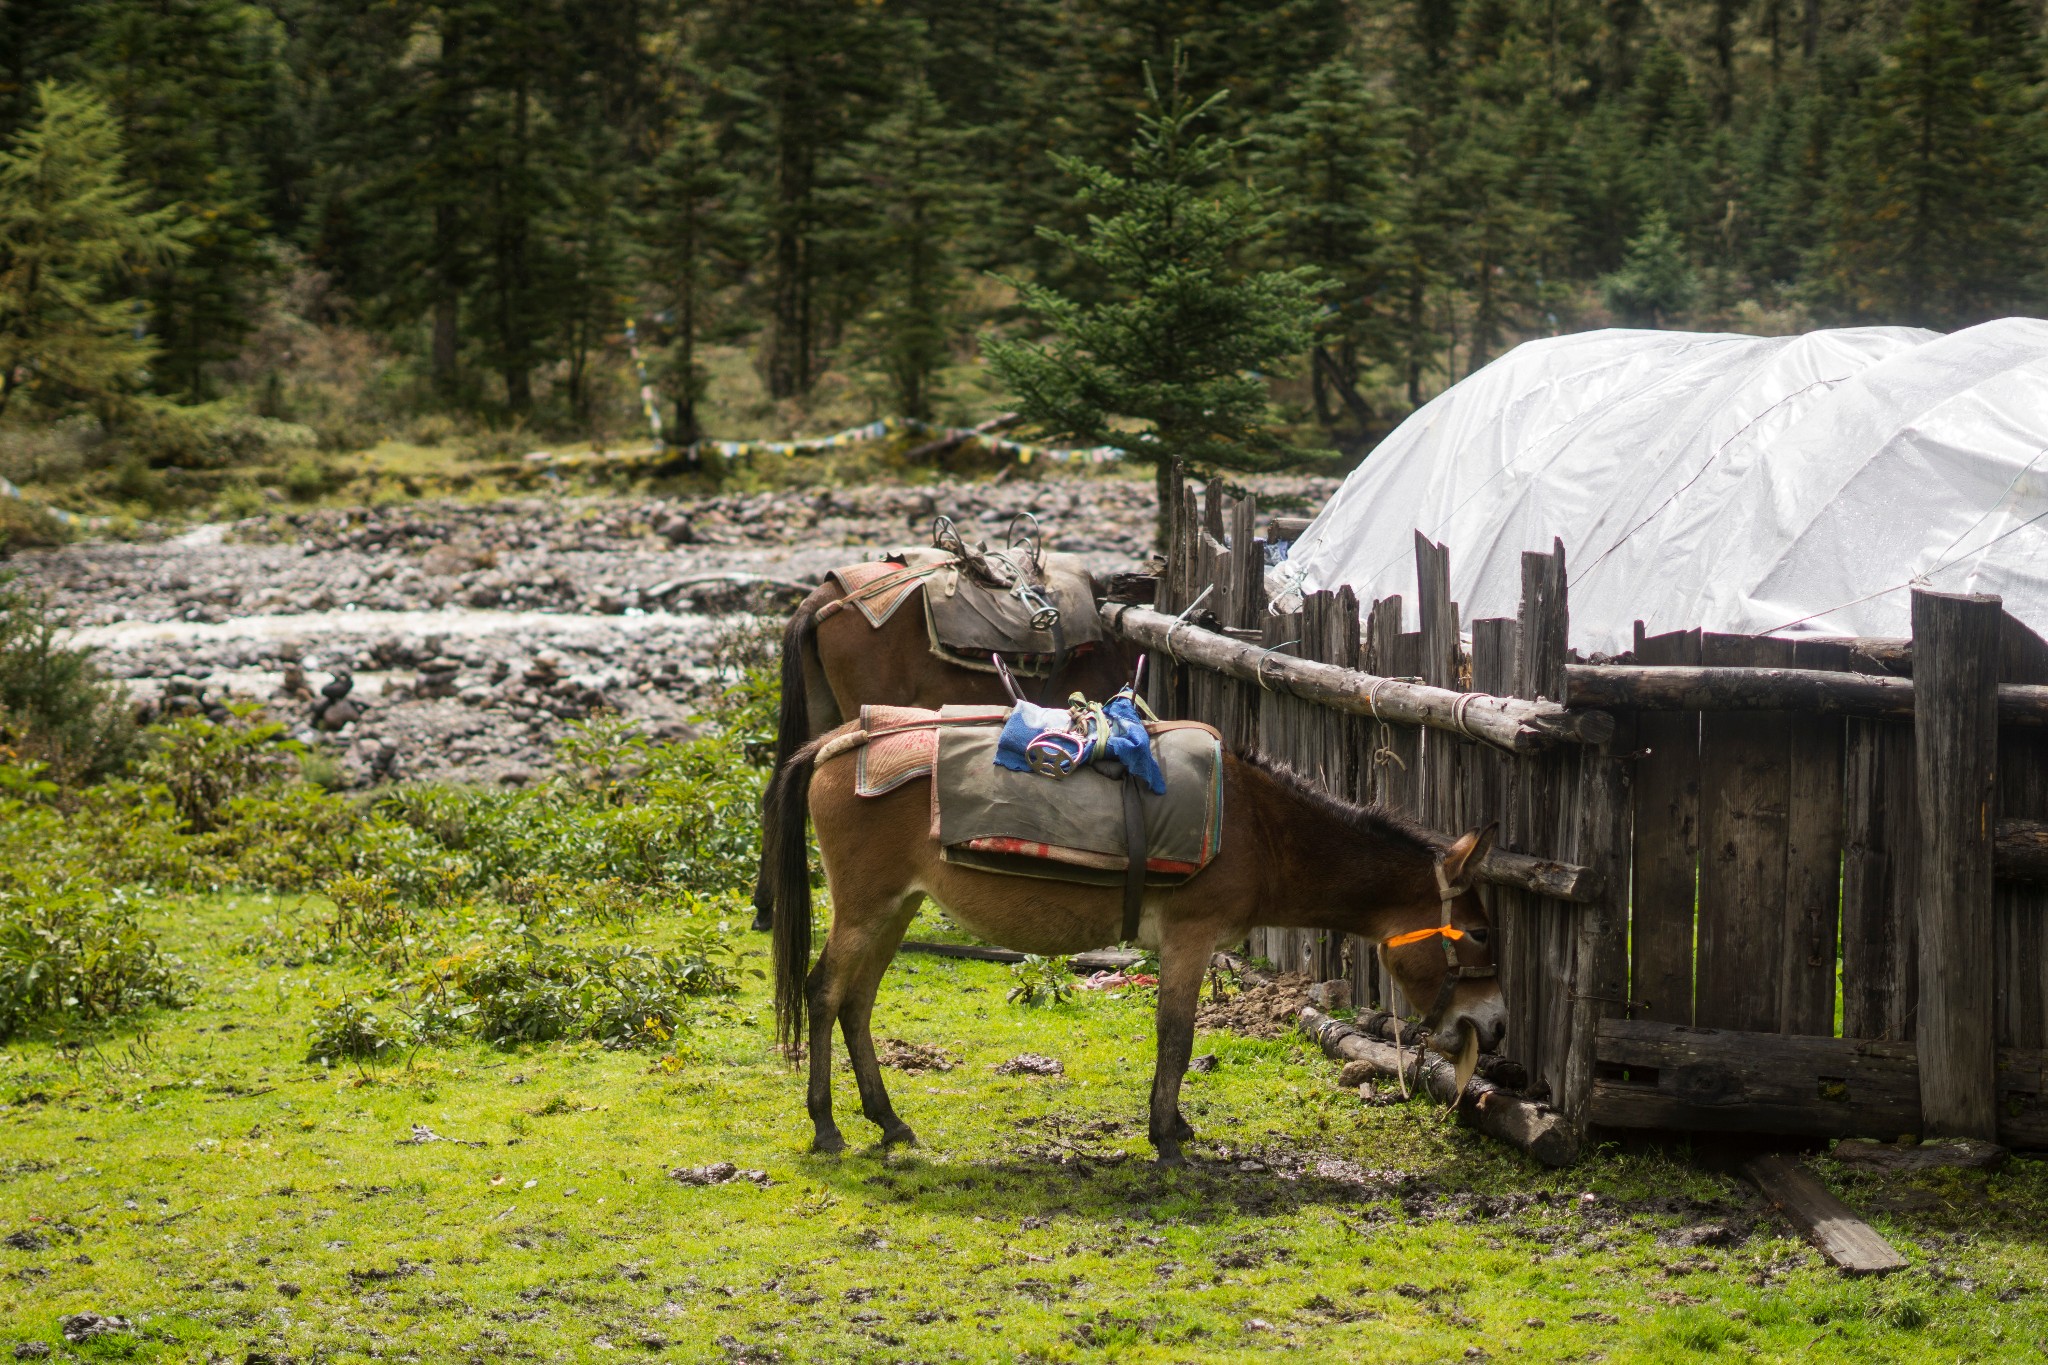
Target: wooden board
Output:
[(2020, 909), (1666, 843), (1813, 857), (1745, 796), (1832, 1226), (1955, 731), (1880, 872)]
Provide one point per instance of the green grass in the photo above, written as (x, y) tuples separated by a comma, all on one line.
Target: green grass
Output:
[(184, 1171)]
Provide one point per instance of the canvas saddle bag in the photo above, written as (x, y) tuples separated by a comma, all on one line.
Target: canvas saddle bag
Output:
[(1072, 829), (1036, 621)]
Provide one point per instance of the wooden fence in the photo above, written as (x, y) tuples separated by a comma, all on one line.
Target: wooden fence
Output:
[(1789, 887)]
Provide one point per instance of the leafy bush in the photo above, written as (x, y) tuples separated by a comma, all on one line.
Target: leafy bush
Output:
[(203, 765), (72, 950), (350, 1029), (24, 526), (55, 709), (1047, 979), (206, 436), (624, 996), (369, 919)]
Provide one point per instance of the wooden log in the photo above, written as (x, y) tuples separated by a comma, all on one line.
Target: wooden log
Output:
[(2019, 850), (952, 441), (1727, 1080), (1512, 723), (1533, 1128), (1287, 528), (1639, 688), (1094, 960), (1832, 1226), (1956, 657), (1671, 1077)]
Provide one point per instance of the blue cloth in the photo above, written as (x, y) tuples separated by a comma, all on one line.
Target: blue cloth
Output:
[(1129, 742)]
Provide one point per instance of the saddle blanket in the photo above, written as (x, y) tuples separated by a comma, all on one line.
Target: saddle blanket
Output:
[(967, 620), (1065, 829)]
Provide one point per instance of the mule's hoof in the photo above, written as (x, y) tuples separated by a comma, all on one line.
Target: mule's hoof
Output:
[(1169, 1158), (828, 1144), (764, 921), (1182, 1132), (900, 1135)]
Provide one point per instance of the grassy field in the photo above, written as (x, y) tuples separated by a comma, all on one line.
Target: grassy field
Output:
[(199, 1178)]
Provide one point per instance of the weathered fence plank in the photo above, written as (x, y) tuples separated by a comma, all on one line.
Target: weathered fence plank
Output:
[(1737, 687), (1955, 664), (2020, 857), (1813, 858), (1745, 795), (1667, 843)]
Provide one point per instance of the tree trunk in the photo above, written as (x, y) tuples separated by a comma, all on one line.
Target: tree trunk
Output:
[(447, 247)]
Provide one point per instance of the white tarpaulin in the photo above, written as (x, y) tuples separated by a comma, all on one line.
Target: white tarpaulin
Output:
[(1784, 485)]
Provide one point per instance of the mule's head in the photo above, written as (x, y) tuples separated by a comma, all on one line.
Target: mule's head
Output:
[(1443, 958)]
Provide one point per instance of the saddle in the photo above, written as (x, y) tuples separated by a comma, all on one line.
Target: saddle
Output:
[(1035, 613), (1074, 829)]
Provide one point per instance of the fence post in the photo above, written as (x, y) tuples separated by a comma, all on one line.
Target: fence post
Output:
[(1955, 722)]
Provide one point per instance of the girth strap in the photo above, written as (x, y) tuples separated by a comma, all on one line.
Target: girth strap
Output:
[(1136, 851)]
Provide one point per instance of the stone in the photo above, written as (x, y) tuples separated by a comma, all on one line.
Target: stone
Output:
[(85, 1326), (1330, 995), (338, 715)]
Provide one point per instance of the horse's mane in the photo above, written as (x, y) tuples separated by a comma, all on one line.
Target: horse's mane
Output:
[(1372, 821)]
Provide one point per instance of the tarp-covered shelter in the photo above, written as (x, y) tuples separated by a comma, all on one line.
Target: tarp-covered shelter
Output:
[(1753, 485)]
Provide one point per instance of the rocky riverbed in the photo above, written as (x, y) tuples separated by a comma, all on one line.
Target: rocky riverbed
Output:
[(457, 640)]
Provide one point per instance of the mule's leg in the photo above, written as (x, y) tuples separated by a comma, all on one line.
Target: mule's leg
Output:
[(824, 990), (1183, 958), (864, 937), (854, 1016)]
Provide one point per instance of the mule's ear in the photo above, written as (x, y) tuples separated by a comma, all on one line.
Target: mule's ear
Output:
[(1462, 859)]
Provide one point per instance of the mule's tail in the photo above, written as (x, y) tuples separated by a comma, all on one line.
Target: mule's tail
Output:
[(792, 732), (788, 866)]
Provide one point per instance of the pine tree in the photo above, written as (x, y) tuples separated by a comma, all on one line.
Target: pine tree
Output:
[(805, 78), (1933, 205), (71, 226), (195, 84), (1656, 280), (1332, 163), (687, 228), (1167, 361), (910, 196)]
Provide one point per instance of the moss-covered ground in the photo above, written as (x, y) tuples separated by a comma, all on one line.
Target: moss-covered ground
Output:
[(197, 1177)]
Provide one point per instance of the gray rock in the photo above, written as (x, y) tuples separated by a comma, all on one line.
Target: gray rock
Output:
[(1962, 1153), (85, 1326)]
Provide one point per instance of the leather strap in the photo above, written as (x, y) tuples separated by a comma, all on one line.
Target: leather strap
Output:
[(1136, 851)]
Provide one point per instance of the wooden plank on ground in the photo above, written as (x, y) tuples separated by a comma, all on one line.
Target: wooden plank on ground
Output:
[(1745, 793), (1955, 728), (1667, 842), (1836, 1229)]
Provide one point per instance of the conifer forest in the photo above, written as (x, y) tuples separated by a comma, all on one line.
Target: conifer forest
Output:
[(358, 216)]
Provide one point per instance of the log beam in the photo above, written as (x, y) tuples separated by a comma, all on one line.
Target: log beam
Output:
[(1639, 688), (2019, 850), (1511, 723), (1524, 1124)]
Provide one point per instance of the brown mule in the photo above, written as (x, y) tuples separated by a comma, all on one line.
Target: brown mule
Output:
[(831, 667), (1290, 856)]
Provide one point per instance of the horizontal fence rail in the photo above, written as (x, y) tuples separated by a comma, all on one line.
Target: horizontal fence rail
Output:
[(1811, 691)]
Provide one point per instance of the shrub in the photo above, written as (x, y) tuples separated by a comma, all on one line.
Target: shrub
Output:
[(25, 526), (624, 996), (55, 709), (369, 919), (72, 950), (1047, 979), (350, 1029), (206, 436), (204, 765)]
